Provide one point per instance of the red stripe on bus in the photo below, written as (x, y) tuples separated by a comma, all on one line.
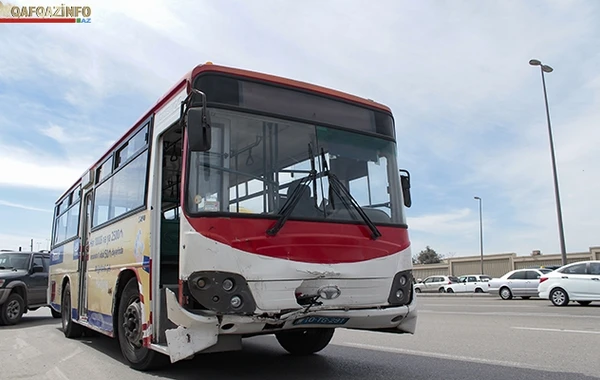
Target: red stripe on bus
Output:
[(310, 242)]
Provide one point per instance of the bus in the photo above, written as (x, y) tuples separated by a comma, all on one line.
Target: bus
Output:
[(240, 204)]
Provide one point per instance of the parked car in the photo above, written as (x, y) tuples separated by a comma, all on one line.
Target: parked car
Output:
[(469, 283), (23, 284), (435, 284), (578, 281), (517, 283)]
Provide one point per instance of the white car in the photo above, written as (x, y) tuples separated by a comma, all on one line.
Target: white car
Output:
[(471, 283), (578, 281)]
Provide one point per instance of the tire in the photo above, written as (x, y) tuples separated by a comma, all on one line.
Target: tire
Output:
[(449, 290), (441, 290), (417, 290), (129, 332), (559, 297), (305, 341), (478, 290), (505, 293), (11, 312), (71, 329), (55, 314), (584, 303)]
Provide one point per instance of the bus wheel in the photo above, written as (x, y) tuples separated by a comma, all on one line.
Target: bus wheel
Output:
[(130, 333), (70, 329), (305, 342)]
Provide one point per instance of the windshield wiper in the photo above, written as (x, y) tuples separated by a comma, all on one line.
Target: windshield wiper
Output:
[(295, 196), (340, 190)]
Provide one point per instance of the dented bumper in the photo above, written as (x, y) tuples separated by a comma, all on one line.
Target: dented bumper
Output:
[(196, 333)]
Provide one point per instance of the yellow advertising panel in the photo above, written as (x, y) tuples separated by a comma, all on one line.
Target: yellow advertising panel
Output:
[(64, 262), (122, 245)]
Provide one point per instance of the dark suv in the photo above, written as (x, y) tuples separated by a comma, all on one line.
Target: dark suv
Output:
[(23, 284)]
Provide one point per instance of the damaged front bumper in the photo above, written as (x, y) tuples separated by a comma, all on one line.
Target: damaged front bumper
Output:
[(196, 333)]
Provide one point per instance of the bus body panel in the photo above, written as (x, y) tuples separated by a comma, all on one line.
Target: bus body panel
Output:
[(274, 281), (64, 266), (165, 117), (302, 241), (119, 246)]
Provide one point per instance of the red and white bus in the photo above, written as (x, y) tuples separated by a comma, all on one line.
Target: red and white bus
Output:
[(240, 204)]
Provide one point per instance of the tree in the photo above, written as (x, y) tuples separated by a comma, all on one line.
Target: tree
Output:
[(427, 256)]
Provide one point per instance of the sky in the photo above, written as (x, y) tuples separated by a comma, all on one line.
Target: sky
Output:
[(469, 109)]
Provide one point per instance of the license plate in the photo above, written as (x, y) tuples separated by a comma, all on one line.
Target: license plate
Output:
[(321, 321)]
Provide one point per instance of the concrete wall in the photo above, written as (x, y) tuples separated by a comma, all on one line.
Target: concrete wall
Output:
[(497, 265)]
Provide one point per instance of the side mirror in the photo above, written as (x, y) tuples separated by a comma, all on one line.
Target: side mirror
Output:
[(197, 122), (405, 182), (37, 269)]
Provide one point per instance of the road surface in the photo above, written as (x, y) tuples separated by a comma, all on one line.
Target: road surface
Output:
[(457, 338)]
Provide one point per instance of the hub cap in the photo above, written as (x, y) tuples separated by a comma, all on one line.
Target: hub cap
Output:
[(505, 293), (558, 297), (132, 325), (13, 309)]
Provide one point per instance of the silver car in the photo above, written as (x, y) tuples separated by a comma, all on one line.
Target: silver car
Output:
[(435, 284), (517, 283)]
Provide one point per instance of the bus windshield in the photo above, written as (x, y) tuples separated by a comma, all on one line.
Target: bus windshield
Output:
[(256, 161)]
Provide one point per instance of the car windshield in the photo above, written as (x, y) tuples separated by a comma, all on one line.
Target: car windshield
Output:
[(256, 162), (453, 279), (14, 260)]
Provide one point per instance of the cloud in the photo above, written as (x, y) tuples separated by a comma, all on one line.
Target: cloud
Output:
[(448, 223), (60, 135), (33, 173), (25, 207), (13, 242)]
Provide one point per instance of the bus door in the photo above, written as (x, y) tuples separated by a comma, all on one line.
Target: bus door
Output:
[(84, 255)]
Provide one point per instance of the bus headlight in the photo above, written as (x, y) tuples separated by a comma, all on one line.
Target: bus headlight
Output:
[(201, 283), (236, 302), (403, 280), (401, 289), (221, 292)]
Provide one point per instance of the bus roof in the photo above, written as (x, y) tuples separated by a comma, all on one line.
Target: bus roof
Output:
[(288, 83), (186, 81)]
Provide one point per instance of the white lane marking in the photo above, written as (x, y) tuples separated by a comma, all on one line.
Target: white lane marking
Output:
[(440, 355), (508, 313), (25, 350), (68, 357), (481, 305), (557, 330), (56, 374)]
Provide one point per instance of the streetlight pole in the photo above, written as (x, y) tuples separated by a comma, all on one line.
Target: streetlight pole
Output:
[(561, 232), (480, 234)]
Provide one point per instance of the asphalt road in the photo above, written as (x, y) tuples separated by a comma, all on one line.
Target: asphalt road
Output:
[(457, 338)]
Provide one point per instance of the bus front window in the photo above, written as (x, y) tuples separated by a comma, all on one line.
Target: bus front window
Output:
[(255, 163)]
